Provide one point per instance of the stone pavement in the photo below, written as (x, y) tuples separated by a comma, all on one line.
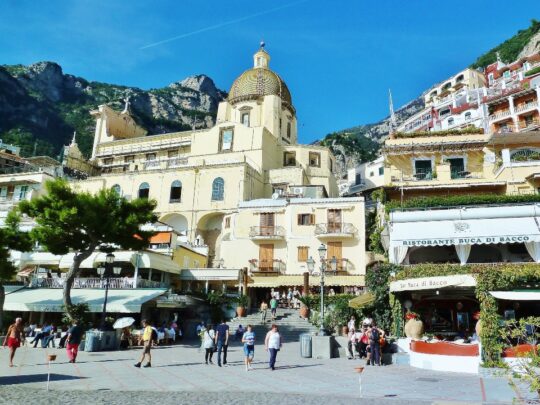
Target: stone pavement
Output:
[(178, 372)]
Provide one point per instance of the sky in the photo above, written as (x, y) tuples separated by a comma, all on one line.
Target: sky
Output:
[(338, 58)]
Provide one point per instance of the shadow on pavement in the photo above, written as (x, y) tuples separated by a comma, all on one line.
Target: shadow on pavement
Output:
[(25, 379), (80, 362)]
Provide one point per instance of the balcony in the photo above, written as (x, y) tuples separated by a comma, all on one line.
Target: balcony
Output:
[(522, 126), (343, 265), (152, 164), (96, 282), (275, 266), (499, 116), (335, 230), (526, 107), (423, 174), (267, 233), (177, 162)]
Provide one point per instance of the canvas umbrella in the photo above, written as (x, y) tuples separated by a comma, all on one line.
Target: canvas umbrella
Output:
[(123, 323)]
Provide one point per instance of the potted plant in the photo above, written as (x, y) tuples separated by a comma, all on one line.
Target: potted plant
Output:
[(241, 305), (414, 327), (306, 304)]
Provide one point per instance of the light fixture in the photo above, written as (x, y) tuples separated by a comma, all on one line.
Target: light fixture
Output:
[(117, 270), (333, 264), (407, 304), (109, 258), (310, 264), (322, 251), (101, 271)]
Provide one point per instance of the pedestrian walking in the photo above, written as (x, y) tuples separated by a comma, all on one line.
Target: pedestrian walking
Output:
[(273, 308), (14, 337), (149, 335), (222, 342), (272, 344), (264, 310), (208, 344), (249, 346), (73, 341)]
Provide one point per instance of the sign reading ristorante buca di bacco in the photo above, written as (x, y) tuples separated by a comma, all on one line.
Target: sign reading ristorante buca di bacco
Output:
[(478, 240)]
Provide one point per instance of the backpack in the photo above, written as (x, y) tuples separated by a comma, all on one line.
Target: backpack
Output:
[(375, 334), (154, 336)]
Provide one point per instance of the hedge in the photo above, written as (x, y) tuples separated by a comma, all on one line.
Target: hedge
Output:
[(472, 130), (532, 71)]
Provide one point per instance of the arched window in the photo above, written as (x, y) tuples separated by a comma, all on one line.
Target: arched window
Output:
[(176, 192), (144, 190), (218, 187), (117, 189)]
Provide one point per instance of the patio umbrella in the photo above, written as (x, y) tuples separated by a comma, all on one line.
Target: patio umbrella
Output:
[(123, 323)]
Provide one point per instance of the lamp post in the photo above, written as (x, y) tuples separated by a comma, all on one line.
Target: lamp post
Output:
[(322, 254), (106, 272)]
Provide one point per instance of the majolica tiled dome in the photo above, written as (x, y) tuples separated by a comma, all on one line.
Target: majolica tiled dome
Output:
[(259, 81)]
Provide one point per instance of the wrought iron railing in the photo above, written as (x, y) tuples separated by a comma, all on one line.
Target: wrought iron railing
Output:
[(266, 231), (96, 282), (335, 227), (267, 266), (342, 264)]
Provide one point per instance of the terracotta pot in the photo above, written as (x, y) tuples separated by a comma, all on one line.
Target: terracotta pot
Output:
[(414, 329), (344, 331), (241, 312), (478, 327), (51, 357), (304, 312)]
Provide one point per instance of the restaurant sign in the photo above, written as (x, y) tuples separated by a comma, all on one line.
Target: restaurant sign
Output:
[(476, 240), (432, 283)]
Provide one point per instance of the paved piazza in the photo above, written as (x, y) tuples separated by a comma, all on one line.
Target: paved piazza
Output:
[(178, 375)]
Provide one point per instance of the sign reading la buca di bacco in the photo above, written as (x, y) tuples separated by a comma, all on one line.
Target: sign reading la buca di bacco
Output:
[(479, 240), (428, 283)]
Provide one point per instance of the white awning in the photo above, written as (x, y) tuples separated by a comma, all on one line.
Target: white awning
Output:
[(209, 274), (517, 295), (51, 300), (432, 230), (433, 283)]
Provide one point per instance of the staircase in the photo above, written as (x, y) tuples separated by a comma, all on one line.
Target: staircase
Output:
[(291, 326)]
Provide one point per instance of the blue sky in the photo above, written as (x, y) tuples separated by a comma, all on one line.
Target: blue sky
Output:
[(338, 57)]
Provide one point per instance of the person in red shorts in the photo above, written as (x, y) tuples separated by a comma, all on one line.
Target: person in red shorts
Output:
[(14, 337)]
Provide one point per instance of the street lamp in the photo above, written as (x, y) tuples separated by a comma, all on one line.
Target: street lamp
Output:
[(106, 272)]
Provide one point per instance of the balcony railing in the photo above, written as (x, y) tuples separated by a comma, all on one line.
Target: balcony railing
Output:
[(522, 126), (526, 107), (342, 265), (152, 164), (499, 115), (423, 174), (333, 228), (267, 266), (96, 282), (267, 232), (177, 162)]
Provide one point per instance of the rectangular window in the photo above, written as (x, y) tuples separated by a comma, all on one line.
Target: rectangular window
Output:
[(288, 129), (423, 169), (306, 219), (150, 156), (172, 153), (289, 159), (314, 159), (457, 168), (266, 257), (381, 170), (129, 159), (358, 178), (303, 252), (267, 223), (22, 192), (228, 222), (331, 165), (226, 141), (108, 161), (245, 119), (334, 221)]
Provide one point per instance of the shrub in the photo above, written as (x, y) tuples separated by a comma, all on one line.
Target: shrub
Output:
[(532, 71)]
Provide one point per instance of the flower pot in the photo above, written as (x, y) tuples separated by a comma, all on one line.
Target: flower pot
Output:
[(304, 312), (241, 312), (414, 329)]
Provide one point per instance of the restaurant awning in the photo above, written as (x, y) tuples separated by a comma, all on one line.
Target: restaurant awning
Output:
[(362, 300), (465, 226), (51, 299), (298, 280), (433, 283), (531, 295), (209, 274), (26, 271), (161, 237)]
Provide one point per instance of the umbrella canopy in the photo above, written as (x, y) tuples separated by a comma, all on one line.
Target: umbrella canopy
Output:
[(362, 300), (123, 323)]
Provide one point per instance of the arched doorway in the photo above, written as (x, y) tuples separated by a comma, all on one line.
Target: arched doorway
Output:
[(179, 223), (209, 230)]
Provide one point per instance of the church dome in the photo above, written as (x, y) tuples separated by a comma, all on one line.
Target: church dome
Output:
[(260, 81)]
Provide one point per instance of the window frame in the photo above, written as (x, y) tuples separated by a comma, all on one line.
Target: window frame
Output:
[(218, 195), (245, 114), (221, 136), (176, 187), (302, 254), (300, 219), (141, 188), (287, 154), (317, 156), (129, 159)]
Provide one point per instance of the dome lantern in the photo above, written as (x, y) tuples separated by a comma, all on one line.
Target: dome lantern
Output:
[(261, 58)]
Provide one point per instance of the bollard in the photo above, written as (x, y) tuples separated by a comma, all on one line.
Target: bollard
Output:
[(50, 357)]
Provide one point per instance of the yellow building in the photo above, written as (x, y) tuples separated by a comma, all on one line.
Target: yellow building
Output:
[(198, 177)]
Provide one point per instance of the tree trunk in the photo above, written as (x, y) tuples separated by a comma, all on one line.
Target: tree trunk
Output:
[(72, 274), (2, 299)]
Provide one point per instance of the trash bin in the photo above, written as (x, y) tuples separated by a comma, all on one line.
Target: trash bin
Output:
[(305, 345), (108, 340), (92, 341)]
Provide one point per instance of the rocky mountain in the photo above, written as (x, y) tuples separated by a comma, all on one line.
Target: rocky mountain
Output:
[(362, 143), (41, 106)]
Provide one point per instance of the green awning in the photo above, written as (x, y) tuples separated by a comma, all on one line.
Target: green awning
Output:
[(362, 300)]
